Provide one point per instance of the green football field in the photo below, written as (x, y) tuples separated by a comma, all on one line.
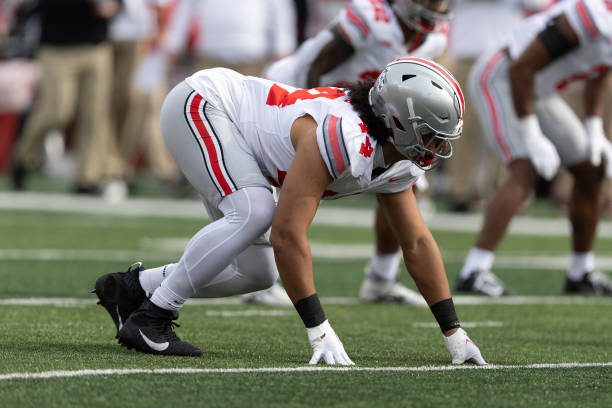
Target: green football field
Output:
[(57, 348)]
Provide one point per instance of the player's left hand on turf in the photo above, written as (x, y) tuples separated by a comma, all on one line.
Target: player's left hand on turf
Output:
[(599, 146), (326, 344), (462, 349)]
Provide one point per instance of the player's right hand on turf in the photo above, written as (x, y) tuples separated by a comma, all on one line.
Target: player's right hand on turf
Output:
[(541, 151), (462, 349), (326, 344)]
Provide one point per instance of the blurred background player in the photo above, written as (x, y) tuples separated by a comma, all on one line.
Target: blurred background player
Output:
[(76, 62), (474, 173), (533, 130), (357, 44), (136, 30)]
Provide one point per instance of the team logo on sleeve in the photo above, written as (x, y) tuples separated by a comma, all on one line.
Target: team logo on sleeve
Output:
[(366, 148)]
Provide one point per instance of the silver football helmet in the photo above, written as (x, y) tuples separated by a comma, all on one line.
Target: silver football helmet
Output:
[(422, 104), (423, 15)]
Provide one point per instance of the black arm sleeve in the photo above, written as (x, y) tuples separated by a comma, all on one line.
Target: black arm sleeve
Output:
[(555, 42)]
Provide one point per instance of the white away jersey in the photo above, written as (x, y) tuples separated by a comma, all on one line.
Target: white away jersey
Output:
[(592, 22), (371, 28), (264, 112)]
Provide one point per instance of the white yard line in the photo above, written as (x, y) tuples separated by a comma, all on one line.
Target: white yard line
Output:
[(331, 216), (170, 248), (277, 370), (235, 300), (467, 325)]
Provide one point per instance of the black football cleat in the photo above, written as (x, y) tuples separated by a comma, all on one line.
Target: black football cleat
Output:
[(592, 283), (120, 293), (150, 330)]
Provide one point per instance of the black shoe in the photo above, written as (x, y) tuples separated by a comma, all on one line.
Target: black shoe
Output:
[(87, 189), (593, 283), (120, 293), (18, 175), (482, 282), (150, 330), (460, 207)]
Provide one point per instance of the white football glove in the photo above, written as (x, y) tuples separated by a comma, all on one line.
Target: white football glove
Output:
[(541, 151), (462, 348), (325, 343), (599, 145)]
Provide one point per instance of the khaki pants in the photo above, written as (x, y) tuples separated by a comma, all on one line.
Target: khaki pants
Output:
[(136, 114), (473, 172), (75, 86)]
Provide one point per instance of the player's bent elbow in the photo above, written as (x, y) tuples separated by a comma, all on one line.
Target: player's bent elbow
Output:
[(281, 238), (289, 244)]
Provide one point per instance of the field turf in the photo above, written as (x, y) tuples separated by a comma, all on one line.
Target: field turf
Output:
[(255, 355)]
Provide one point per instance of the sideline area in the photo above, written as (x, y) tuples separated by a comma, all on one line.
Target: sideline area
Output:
[(330, 216)]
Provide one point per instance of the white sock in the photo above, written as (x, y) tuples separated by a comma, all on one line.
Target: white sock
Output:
[(151, 279), (580, 264), (165, 298), (477, 258), (385, 266)]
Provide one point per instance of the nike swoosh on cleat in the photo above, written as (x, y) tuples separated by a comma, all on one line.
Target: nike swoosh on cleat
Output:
[(155, 346), (119, 317)]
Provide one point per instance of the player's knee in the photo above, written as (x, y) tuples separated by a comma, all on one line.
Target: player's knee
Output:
[(587, 177), (251, 207), (523, 175)]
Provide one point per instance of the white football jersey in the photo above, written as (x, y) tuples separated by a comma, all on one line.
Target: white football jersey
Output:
[(371, 28), (592, 22), (264, 112)]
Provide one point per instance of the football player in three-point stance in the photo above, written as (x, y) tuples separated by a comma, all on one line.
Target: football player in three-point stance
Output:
[(534, 131), (234, 136), (362, 39)]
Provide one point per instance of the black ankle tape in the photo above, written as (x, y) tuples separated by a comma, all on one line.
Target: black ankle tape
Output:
[(310, 310), (445, 314)]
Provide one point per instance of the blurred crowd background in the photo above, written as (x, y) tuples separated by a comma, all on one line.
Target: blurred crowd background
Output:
[(106, 65)]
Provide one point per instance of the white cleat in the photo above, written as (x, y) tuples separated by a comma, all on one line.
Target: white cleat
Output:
[(275, 295), (388, 291), (482, 282)]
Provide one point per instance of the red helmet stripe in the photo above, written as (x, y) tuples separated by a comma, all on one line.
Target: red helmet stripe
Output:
[(438, 68)]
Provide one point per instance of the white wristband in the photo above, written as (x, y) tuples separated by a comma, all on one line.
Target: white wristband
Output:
[(530, 127)]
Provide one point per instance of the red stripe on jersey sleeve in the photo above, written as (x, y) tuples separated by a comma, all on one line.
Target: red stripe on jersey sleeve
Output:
[(357, 21), (335, 144), (586, 18)]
